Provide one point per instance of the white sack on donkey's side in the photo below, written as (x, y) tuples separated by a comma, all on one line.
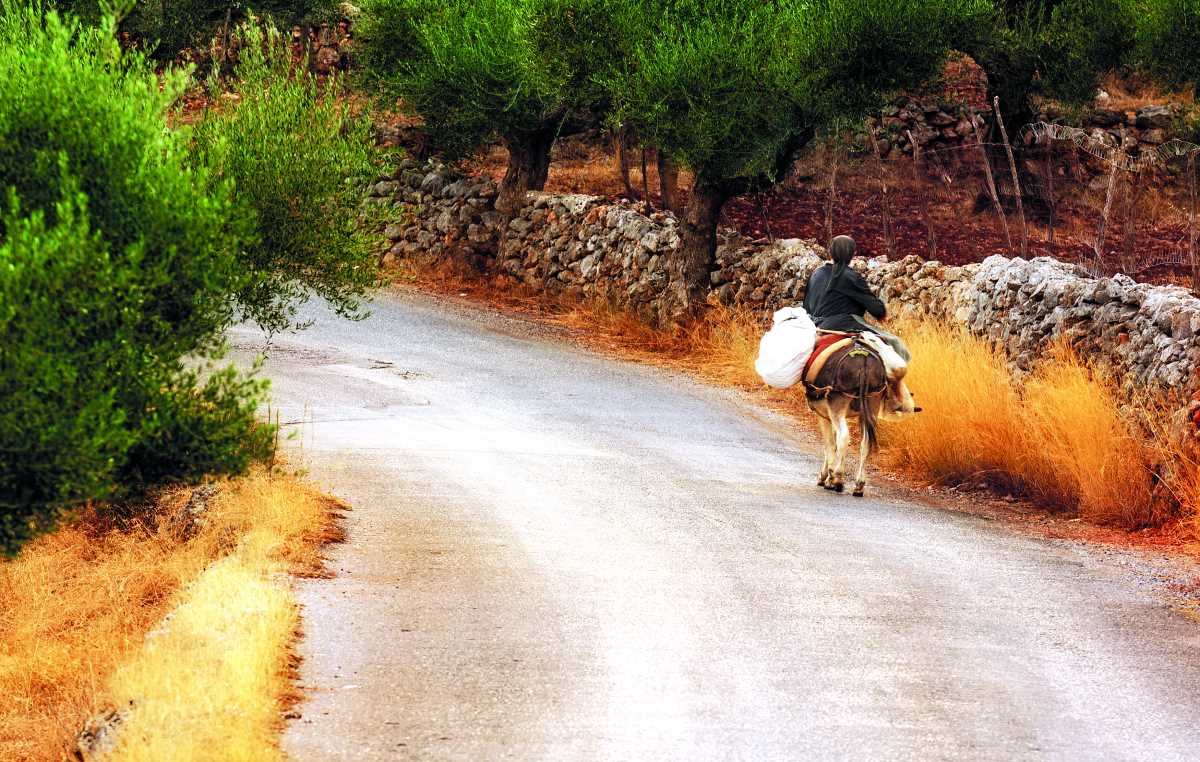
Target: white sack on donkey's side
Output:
[(896, 368), (893, 363), (784, 349)]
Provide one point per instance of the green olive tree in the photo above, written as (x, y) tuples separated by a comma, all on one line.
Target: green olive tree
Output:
[(735, 90), (523, 71), (1167, 38)]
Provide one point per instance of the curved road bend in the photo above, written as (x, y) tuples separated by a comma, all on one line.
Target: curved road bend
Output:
[(555, 555)]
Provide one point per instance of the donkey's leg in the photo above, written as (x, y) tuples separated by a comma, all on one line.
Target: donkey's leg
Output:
[(842, 432), (826, 450)]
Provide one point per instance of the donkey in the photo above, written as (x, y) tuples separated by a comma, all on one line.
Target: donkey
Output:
[(852, 379)]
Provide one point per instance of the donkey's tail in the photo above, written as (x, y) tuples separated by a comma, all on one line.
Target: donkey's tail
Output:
[(866, 414)]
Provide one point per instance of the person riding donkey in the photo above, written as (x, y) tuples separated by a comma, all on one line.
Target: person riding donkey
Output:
[(838, 299)]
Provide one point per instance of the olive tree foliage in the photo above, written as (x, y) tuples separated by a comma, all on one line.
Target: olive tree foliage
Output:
[(297, 161), (1055, 50), (523, 71), (1168, 41), (735, 90), (118, 270)]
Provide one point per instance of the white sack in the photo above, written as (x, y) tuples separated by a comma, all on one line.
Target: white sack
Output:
[(785, 348), (894, 365)]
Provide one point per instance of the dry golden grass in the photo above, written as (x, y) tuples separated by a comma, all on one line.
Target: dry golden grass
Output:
[(212, 685), (76, 605), (1059, 438), (1130, 95)]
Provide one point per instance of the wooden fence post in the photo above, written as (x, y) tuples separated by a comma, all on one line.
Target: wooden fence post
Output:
[(930, 233), (1098, 248), (832, 196), (623, 139), (1049, 169), (1128, 263), (991, 181), (889, 235), (1191, 170), (1012, 166)]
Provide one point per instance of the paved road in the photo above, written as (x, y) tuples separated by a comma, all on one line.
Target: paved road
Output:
[(558, 556)]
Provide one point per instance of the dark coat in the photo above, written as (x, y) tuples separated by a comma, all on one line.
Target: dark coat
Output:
[(842, 308)]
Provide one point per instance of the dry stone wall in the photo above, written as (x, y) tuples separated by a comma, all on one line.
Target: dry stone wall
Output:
[(589, 247), (939, 125)]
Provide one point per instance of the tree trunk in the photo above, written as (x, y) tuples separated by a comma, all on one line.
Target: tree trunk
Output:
[(668, 180), (689, 267), (623, 161), (645, 183), (528, 166)]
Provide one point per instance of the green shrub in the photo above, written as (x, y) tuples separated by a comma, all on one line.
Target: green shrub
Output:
[(117, 262), (78, 115), (1168, 39), (298, 161), (196, 424), (1084, 39), (66, 324)]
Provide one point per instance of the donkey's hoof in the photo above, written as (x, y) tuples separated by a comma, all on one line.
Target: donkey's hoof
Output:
[(858, 492), (821, 482), (829, 486), (839, 488)]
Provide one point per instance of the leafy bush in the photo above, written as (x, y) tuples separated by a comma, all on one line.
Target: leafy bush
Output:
[(117, 261), (80, 116), (1084, 39), (298, 162), (196, 424), (1167, 41), (65, 323)]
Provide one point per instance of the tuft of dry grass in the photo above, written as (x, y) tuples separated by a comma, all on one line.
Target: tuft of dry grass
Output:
[(967, 402), (1125, 94), (75, 605), (210, 683), (1058, 437)]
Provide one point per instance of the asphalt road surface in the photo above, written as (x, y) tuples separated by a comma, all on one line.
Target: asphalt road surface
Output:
[(555, 555)]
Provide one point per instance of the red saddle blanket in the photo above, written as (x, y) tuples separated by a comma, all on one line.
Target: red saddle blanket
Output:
[(825, 341)]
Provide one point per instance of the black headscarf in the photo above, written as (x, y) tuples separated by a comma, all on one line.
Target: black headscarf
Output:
[(841, 251)]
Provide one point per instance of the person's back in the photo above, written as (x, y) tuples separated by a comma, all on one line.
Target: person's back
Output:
[(841, 305), (837, 297)]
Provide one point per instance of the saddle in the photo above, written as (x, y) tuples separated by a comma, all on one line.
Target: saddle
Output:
[(828, 344)]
